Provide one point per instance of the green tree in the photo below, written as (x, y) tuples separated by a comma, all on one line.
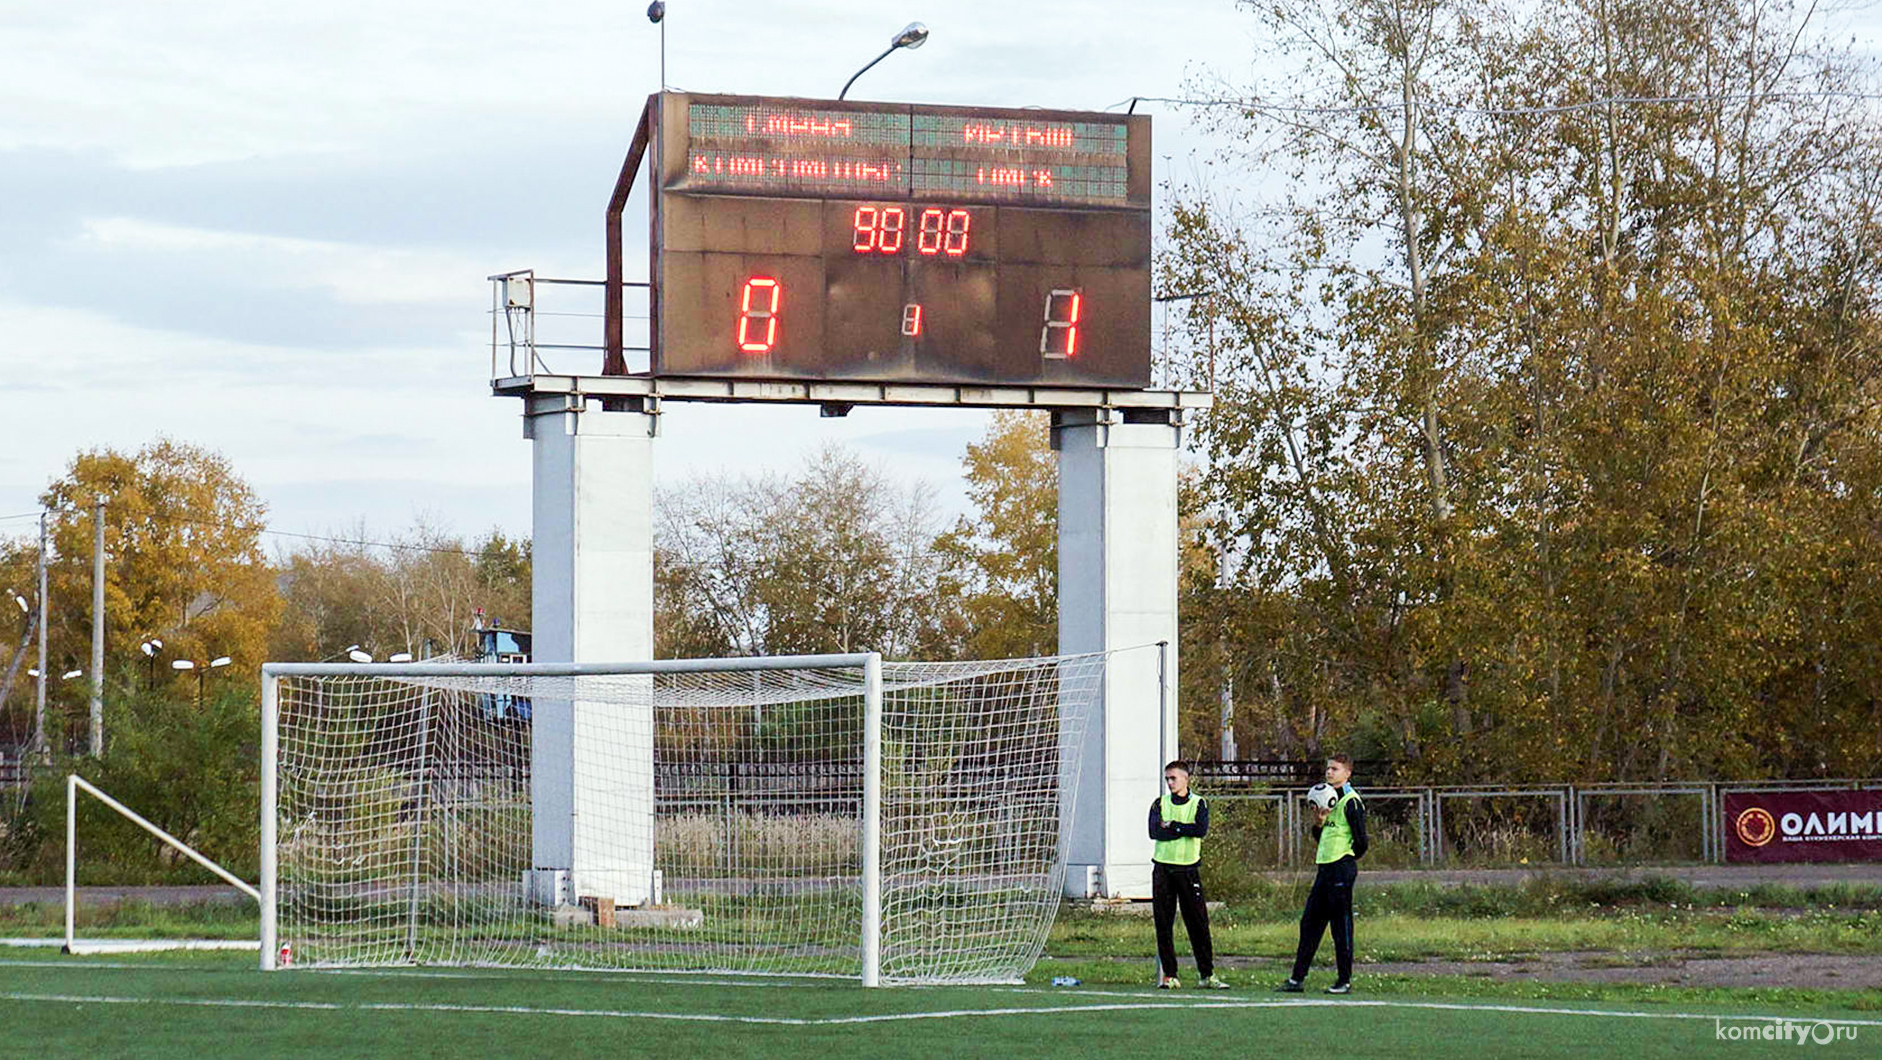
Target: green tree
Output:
[(414, 593), (832, 559), (183, 562), (191, 769), (1545, 429), (1003, 565)]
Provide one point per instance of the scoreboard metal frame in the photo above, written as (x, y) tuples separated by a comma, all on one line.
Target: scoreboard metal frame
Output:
[(800, 239)]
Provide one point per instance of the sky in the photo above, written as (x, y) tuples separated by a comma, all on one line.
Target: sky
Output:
[(266, 228)]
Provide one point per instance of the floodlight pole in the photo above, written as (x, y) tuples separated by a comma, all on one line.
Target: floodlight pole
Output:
[(98, 631), (39, 689)]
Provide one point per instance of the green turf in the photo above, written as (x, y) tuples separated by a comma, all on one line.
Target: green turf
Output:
[(1399, 937), (1861, 1004), (183, 1006)]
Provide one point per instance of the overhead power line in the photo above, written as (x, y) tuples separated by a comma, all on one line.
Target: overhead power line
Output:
[(361, 542), (1260, 107)]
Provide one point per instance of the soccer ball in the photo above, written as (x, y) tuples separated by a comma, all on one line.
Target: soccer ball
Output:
[(1322, 795)]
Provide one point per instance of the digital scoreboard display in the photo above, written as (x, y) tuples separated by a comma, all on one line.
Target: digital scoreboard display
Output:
[(817, 239)]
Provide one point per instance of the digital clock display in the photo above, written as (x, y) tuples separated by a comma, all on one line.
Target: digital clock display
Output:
[(891, 242)]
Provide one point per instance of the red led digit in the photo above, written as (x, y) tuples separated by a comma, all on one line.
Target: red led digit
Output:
[(911, 319), (889, 235), (956, 239), (1059, 337), (933, 231), (867, 233), (748, 341)]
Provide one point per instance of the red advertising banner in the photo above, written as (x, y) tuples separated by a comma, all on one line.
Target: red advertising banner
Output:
[(1767, 826)]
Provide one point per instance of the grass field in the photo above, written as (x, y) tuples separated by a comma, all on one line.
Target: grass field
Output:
[(187, 1005), (182, 1004)]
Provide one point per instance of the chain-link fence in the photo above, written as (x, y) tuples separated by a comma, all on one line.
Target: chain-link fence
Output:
[(1263, 825)]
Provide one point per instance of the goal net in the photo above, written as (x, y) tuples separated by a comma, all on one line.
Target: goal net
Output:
[(817, 815)]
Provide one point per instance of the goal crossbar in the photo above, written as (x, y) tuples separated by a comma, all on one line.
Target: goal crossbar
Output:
[(659, 666)]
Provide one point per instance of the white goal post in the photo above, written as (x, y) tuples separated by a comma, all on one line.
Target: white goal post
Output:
[(896, 822)]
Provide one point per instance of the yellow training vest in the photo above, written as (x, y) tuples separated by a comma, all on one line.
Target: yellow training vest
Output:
[(1184, 851), (1336, 838)]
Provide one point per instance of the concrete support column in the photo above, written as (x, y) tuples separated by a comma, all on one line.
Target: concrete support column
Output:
[(592, 550), (1117, 589)]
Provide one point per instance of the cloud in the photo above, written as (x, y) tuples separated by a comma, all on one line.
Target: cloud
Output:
[(948, 443), (265, 228)]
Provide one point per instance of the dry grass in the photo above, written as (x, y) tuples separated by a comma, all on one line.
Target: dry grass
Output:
[(697, 842)]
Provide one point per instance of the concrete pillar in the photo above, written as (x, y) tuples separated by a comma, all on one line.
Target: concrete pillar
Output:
[(592, 551), (1117, 589)]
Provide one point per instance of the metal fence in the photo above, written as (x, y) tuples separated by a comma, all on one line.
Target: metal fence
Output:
[(1542, 824)]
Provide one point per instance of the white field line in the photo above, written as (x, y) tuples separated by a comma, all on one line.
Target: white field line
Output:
[(896, 1017)]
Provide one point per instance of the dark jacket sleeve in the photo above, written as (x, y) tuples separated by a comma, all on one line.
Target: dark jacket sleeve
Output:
[(1356, 820), (1200, 827), (1159, 830)]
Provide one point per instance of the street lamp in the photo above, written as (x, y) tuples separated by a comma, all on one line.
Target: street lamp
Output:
[(33, 672), (913, 35), (202, 672), (66, 676), (150, 649)]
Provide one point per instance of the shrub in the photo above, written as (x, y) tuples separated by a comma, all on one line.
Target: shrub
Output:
[(192, 770)]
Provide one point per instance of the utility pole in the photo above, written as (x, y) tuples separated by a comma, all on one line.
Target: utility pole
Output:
[(98, 630), (39, 693), (1226, 722)]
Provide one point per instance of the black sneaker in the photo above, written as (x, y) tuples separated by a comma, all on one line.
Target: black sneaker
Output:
[(1292, 986), (1341, 987)]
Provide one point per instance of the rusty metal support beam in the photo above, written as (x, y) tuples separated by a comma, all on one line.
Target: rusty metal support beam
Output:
[(613, 358)]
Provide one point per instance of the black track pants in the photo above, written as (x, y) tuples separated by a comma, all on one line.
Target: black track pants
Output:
[(1171, 886), (1330, 904)]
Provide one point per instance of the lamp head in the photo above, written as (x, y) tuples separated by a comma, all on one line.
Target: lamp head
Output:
[(182, 664), (913, 35), (220, 660), (656, 11), (359, 656)]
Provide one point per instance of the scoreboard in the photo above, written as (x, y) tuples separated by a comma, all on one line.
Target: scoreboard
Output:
[(819, 239)]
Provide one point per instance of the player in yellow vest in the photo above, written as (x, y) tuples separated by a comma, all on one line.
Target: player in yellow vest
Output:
[(1178, 821), (1341, 831)]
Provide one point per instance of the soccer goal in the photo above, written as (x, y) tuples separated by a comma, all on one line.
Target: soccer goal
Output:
[(813, 815)]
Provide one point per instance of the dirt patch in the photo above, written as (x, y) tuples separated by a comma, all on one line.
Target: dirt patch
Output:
[(1723, 877), (99, 896), (1808, 971)]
